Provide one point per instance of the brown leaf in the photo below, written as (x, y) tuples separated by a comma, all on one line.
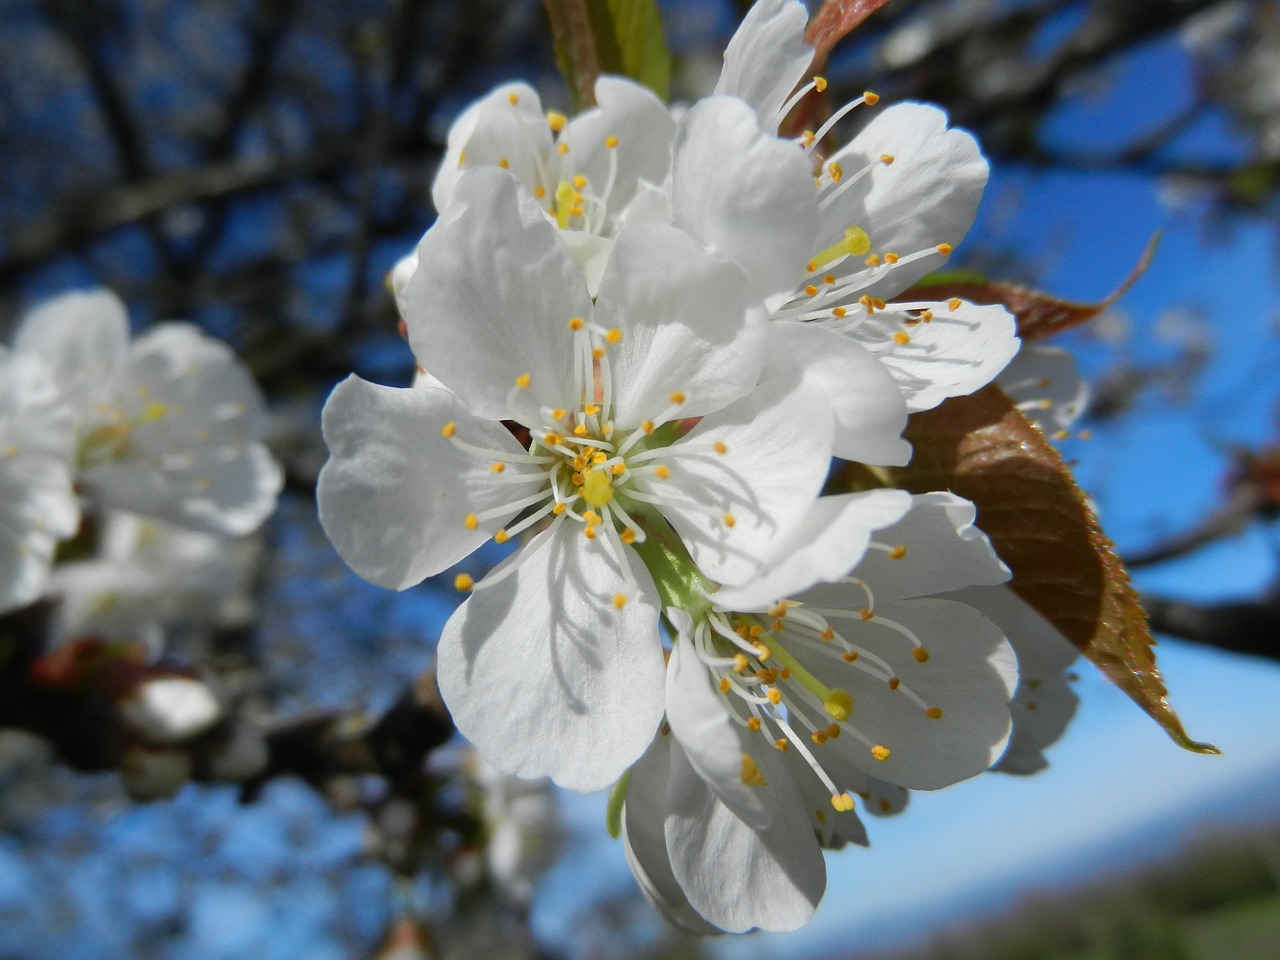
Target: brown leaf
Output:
[(834, 22), (983, 448), (1039, 315), (574, 38)]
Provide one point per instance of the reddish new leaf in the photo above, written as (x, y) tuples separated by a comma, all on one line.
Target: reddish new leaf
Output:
[(1039, 315), (834, 22), (575, 44), (983, 448)]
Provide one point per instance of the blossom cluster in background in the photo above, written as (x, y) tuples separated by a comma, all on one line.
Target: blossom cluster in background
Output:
[(642, 336)]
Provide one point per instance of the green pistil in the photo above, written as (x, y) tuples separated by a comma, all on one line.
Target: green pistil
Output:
[(837, 702)]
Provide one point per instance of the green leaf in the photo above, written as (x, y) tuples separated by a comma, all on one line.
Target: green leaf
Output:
[(983, 448), (621, 37)]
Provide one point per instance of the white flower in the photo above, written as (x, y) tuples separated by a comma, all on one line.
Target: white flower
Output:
[(553, 666), (168, 425), (169, 709), (1044, 383), (892, 204), (584, 172), (780, 710), (148, 576), (522, 835), (38, 506)]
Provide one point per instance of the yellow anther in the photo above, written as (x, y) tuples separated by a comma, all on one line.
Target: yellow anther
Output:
[(886, 158), (829, 279), (618, 469), (577, 479), (580, 430), (558, 509), (833, 731), (677, 398), (780, 610), (512, 99), (763, 653), (901, 338), (579, 182), (880, 752), (781, 744), (891, 258), (449, 429), (598, 353), (921, 654), (865, 613), (842, 802), (611, 143), (944, 249), (556, 121), (953, 303), (751, 774), (725, 685), (647, 426), (740, 662), (552, 439), (820, 84), (872, 261), (775, 696), (894, 683), (835, 171), (562, 148), (579, 464), (577, 210), (627, 535), (755, 631), (838, 703), (591, 518), (597, 489), (870, 99), (463, 582), (839, 312), (599, 457), (559, 413), (471, 522), (501, 536), (766, 676), (504, 163), (619, 600), (591, 409), (828, 634), (753, 724), (589, 532), (934, 713), (819, 737), (663, 471), (540, 192), (576, 324), (927, 316), (850, 656), (498, 467), (523, 381), (810, 290), (614, 336), (729, 520), (898, 552), (811, 266)]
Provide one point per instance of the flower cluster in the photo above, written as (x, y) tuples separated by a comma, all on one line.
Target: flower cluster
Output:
[(97, 427), (644, 338)]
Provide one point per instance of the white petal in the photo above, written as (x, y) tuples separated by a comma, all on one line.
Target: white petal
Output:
[(869, 410), (699, 719), (545, 675), (492, 130), (81, 338), (395, 493), (192, 456), (825, 545), (169, 709), (38, 506), (491, 300), (1044, 703), (970, 675), (644, 130), (777, 444), (684, 324), (944, 551), (736, 877), (767, 57), (645, 843), (927, 196), (1046, 386), (833, 828), (743, 193), (956, 353)]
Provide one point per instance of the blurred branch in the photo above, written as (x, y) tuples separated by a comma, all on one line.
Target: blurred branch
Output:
[(1249, 626)]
